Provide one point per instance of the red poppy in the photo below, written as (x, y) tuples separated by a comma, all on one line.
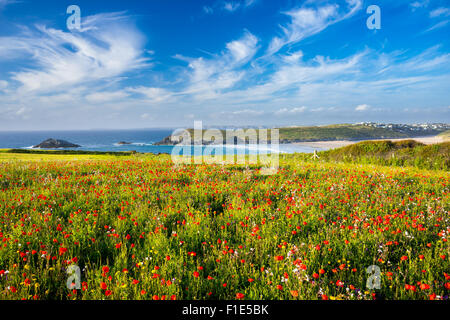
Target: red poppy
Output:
[(240, 296), (424, 286)]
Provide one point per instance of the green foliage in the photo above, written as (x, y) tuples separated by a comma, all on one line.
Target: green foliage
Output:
[(337, 132), (142, 228), (66, 152), (388, 153)]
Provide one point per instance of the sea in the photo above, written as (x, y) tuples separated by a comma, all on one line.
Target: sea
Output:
[(140, 141)]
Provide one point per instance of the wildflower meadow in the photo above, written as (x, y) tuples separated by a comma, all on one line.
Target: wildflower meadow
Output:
[(140, 227)]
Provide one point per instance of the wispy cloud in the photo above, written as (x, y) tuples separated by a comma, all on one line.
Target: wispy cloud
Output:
[(419, 4), (307, 21), (99, 97), (362, 107), (293, 111), (106, 47), (440, 12), (438, 25), (105, 71), (206, 76), (208, 10), (231, 6), (4, 3)]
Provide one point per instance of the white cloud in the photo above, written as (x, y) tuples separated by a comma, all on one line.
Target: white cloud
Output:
[(305, 22), (419, 4), (249, 3), (17, 112), (208, 76), (152, 94), (286, 111), (208, 10), (107, 48), (4, 3), (22, 111), (248, 112), (3, 84), (146, 116), (106, 96), (437, 26), (231, 6), (362, 107), (440, 12)]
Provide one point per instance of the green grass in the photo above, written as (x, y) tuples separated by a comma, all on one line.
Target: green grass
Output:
[(445, 135), (336, 132), (141, 228), (389, 153), (330, 133), (66, 152)]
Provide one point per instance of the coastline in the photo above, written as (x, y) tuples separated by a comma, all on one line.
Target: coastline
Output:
[(326, 145)]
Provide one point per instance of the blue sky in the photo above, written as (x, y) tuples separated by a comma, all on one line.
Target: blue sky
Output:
[(155, 63)]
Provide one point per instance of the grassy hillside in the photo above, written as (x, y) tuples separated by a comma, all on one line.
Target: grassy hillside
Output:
[(337, 132), (401, 153), (445, 135), (388, 153), (331, 133)]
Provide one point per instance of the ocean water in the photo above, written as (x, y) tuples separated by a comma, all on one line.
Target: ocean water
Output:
[(141, 141)]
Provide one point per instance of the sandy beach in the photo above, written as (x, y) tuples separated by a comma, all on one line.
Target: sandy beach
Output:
[(325, 145)]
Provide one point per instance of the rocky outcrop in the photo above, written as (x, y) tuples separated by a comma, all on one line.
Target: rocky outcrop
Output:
[(123, 143), (178, 140), (56, 144)]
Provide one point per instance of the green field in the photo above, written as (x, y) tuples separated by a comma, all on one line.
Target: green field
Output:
[(350, 132), (401, 153), (337, 132), (139, 227), (445, 135)]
